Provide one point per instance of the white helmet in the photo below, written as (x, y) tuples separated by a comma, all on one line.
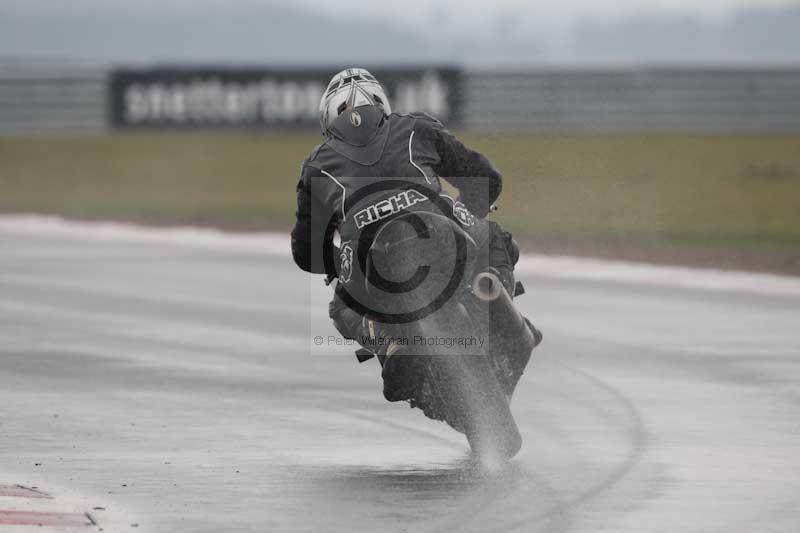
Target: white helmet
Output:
[(352, 87)]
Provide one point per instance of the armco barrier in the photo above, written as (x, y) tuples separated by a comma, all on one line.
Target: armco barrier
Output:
[(60, 99), (699, 100), (52, 99)]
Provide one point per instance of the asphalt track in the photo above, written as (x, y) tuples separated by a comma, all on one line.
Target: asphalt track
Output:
[(171, 378)]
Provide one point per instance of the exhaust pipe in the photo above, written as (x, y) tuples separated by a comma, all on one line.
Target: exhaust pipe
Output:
[(511, 340), (487, 287)]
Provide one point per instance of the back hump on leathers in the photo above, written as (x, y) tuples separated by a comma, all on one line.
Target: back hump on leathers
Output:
[(366, 143)]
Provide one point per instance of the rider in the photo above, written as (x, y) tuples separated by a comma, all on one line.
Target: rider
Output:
[(366, 142)]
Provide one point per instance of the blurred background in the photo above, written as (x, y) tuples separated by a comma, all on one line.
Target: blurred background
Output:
[(663, 130)]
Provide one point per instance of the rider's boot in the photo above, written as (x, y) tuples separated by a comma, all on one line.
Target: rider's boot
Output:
[(401, 372), (402, 376)]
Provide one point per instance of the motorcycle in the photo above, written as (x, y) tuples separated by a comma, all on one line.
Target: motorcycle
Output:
[(445, 328)]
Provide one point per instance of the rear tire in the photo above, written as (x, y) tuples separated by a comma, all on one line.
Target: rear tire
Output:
[(490, 427)]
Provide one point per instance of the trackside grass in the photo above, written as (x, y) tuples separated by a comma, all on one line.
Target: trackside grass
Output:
[(726, 200)]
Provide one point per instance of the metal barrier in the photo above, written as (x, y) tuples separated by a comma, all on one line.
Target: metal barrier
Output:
[(75, 100), (53, 100), (712, 100)]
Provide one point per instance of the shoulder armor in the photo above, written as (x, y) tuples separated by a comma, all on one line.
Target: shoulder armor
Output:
[(428, 117), (314, 153), (421, 115), (308, 161)]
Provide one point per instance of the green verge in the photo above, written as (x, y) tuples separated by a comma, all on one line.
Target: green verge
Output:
[(734, 193)]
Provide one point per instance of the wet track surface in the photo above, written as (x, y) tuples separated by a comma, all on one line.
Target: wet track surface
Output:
[(179, 384)]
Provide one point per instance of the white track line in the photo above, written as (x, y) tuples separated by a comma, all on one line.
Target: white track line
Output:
[(272, 243), (558, 267), (600, 270)]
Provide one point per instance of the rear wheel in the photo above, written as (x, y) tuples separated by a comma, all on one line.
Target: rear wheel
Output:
[(489, 425)]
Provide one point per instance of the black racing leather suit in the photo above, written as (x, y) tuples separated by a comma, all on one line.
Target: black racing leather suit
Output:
[(366, 148)]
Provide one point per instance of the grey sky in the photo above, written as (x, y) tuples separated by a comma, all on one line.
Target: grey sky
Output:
[(458, 31), (477, 10)]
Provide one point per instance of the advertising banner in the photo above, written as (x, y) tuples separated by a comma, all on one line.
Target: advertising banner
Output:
[(262, 99)]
